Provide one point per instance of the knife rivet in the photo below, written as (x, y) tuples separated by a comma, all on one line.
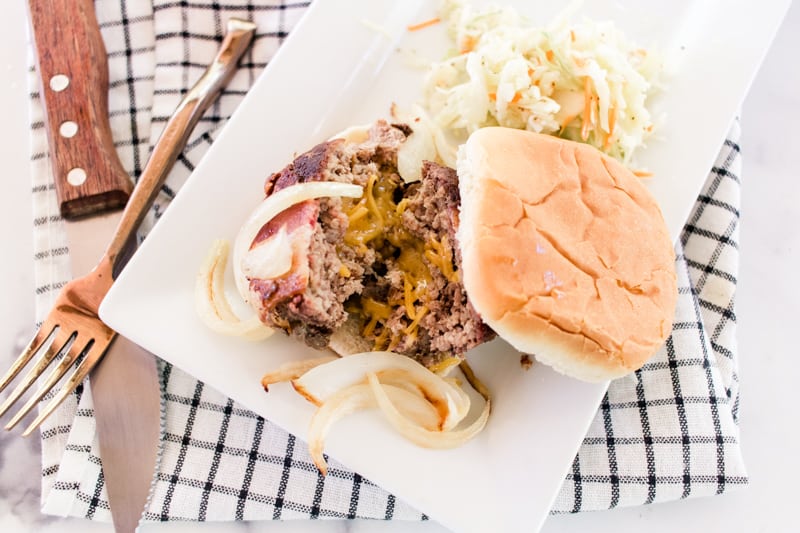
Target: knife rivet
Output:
[(59, 82), (76, 176), (68, 129)]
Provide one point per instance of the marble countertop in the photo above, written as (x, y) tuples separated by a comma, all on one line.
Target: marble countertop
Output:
[(767, 308)]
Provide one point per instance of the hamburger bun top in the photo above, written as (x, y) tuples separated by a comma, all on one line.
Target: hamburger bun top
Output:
[(565, 254)]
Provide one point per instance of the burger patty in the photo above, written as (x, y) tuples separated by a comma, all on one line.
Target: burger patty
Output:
[(308, 301), (388, 260), (451, 326)]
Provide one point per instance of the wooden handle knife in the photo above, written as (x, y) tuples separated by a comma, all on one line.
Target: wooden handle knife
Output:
[(90, 180), (73, 72)]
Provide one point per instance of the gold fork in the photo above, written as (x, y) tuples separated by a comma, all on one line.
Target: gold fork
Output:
[(73, 327)]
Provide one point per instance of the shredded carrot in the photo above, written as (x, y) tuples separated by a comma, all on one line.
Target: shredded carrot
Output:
[(612, 118), (585, 129), (530, 72), (567, 120), (611, 137), (469, 44), (587, 107), (424, 24), (514, 100), (610, 140), (642, 173), (572, 35), (549, 55)]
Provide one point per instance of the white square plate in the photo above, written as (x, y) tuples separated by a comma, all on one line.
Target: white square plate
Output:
[(335, 71)]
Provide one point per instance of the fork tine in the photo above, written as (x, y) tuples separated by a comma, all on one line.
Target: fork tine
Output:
[(41, 365), (92, 357), (27, 354), (57, 373)]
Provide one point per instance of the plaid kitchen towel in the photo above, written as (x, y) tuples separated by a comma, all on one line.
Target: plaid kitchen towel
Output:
[(668, 431)]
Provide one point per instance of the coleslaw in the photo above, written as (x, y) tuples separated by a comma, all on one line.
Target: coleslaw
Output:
[(583, 81)]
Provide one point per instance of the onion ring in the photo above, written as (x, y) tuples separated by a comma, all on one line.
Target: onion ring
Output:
[(211, 304), (293, 370), (321, 382), (358, 397), (275, 204), (420, 435)]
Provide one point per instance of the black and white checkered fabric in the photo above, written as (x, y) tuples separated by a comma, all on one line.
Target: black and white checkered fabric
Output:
[(669, 431)]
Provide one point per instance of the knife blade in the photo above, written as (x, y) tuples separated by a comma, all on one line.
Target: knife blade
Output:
[(90, 180)]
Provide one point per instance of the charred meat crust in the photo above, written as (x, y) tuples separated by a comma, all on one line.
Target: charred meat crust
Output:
[(309, 166), (405, 128)]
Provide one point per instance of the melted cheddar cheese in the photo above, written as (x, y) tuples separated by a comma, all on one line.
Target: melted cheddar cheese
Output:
[(375, 222)]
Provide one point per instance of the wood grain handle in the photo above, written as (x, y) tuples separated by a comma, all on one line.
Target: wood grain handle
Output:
[(73, 73)]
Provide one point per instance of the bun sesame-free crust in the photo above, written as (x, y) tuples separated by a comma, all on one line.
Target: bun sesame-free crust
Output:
[(565, 254)]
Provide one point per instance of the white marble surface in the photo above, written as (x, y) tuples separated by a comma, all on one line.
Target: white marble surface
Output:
[(767, 309)]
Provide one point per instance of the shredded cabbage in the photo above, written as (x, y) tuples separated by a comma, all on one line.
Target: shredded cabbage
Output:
[(583, 81)]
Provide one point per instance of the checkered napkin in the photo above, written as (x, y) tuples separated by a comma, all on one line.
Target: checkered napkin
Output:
[(666, 432)]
